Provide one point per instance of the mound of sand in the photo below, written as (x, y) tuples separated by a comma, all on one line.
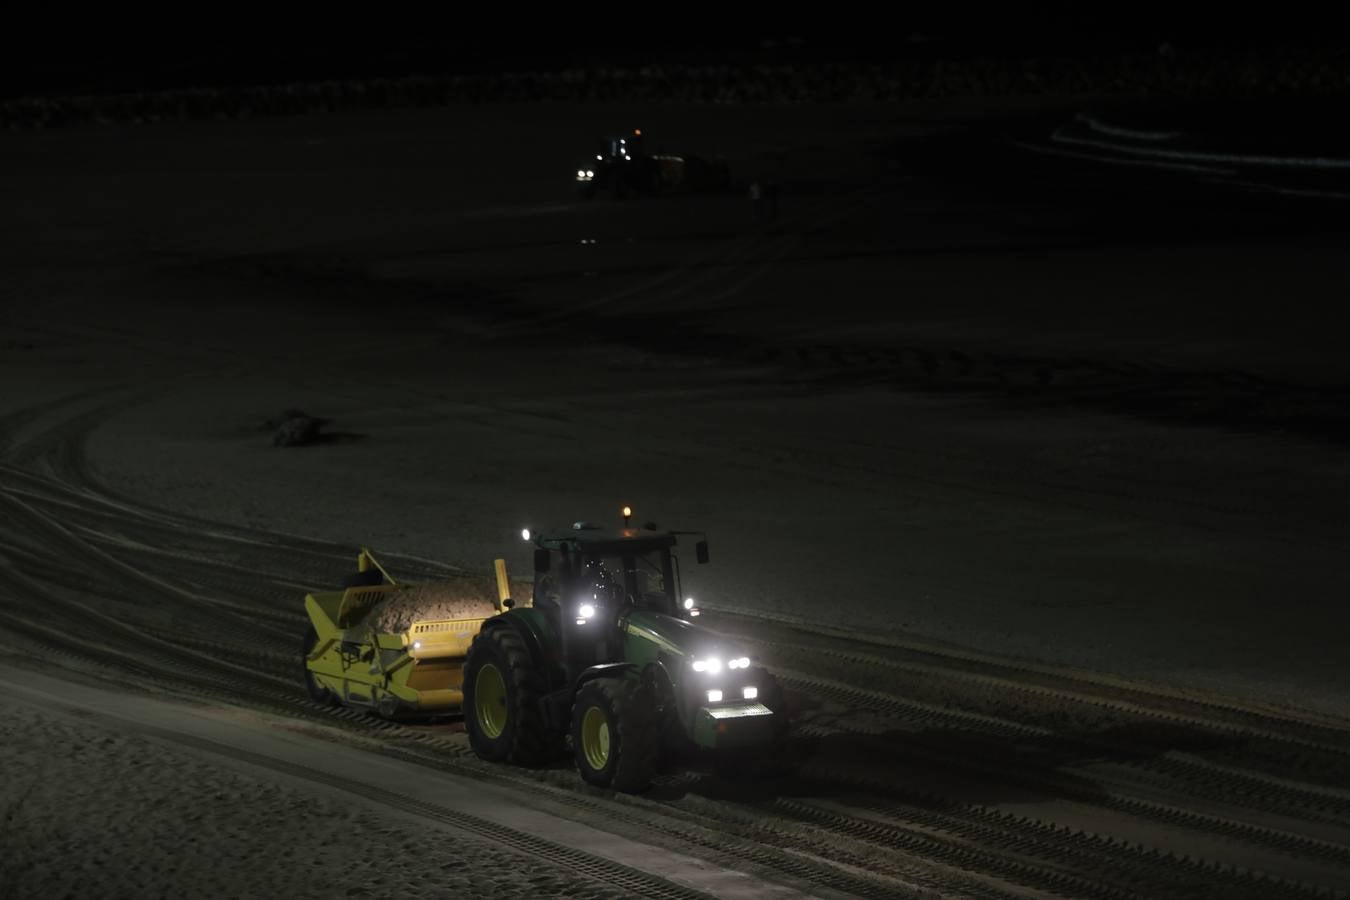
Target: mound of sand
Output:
[(297, 429), (470, 597)]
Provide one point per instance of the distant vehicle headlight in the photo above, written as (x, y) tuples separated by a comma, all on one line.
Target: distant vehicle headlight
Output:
[(586, 611)]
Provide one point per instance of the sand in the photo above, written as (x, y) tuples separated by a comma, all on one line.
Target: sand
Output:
[(465, 598), (86, 810), (955, 405), (845, 402)]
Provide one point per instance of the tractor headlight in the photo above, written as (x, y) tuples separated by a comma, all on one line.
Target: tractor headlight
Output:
[(750, 693), (714, 696), (740, 662), (417, 645), (688, 602), (711, 665), (586, 611)]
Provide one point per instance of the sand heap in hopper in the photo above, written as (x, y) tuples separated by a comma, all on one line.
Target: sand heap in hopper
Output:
[(470, 597)]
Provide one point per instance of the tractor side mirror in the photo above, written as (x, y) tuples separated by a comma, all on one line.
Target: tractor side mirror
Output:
[(541, 559), (701, 551)]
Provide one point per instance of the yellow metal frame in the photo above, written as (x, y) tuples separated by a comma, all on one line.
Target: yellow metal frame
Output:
[(365, 561), (419, 670), (489, 701), (503, 583), (595, 737)]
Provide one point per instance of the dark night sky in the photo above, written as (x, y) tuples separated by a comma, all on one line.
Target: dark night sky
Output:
[(236, 47)]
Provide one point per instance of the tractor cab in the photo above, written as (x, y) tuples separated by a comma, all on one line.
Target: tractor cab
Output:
[(592, 579), (625, 146), (619, 164)]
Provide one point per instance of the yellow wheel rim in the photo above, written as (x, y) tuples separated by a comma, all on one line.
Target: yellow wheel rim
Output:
[(595, 738), (489, 701)]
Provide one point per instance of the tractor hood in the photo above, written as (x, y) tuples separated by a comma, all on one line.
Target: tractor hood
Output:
[(677, 637)]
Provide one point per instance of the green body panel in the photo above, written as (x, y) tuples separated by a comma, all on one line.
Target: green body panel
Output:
[(650, 635), (653, 638), (647, 638)]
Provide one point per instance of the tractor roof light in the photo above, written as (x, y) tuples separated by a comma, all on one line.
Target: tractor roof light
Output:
[(586, 611), (524, 534), (688, 602), (712, 665), (740, 662)]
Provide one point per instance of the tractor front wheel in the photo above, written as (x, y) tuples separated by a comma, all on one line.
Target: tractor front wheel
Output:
[(502, 689), (615, 734)]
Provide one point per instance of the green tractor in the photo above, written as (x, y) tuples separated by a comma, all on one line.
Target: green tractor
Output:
[(608, 654)]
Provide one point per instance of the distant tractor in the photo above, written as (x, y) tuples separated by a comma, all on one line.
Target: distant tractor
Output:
[(622, 166), (608, 655)]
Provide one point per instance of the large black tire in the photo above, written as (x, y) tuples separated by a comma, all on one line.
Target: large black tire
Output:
[(317, 692), (632, 730), (673, 745), (369, 578), (523, 738)]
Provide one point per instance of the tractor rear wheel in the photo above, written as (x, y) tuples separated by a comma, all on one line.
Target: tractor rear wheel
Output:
[(615, 734), (502, 689), (317, 692)]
